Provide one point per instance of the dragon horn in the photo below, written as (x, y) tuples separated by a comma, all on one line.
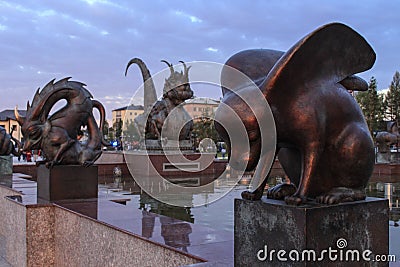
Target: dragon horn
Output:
[(20, 119), (186, 70), (171, 68)]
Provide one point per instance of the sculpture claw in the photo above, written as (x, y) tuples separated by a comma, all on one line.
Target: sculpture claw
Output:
[(50, 164), (251, 195), (295, 200), (340, 195), (281, 191), (87, 163)]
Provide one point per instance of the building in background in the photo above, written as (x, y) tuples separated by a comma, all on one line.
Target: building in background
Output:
[(196, 107), (8, 121), (126, 114), (201, 106)]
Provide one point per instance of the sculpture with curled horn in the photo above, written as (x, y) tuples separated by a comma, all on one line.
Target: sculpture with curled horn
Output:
[(57, 135), (8, 144), (323, 142), (176, 90)]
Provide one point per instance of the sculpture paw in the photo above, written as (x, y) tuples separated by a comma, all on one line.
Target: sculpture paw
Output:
[(50, 164), (281, 191), (251, 195), (39, 162), (87, 163), (340, 195), (294, 200)]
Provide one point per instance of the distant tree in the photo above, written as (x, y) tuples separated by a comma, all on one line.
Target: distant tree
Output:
[(203, 127), (117, 126), (110, 134), (131, 133), (392, 100), (372, 106), (105, 129)]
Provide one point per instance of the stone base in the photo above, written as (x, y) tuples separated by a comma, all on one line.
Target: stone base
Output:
[(67, 182), (6, 165), (169, 145), (271, 233), (6, 180), (171, 165), (383, 157)]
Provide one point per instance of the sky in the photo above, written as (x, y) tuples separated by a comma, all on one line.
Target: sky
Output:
[(93, 40)]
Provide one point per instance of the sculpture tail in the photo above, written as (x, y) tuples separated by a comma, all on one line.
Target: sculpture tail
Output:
[(102, 111), (150, 95), (17, 147)]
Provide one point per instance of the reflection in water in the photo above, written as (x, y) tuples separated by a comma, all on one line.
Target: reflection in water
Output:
[(150, 204), (148, 221), (390, 191), (176, 230), (173, 228)]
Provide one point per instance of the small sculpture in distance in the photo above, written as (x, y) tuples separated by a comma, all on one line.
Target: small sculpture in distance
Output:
[(8, 144), (323, 141), (57, 135), (167, 112), (384, 140)]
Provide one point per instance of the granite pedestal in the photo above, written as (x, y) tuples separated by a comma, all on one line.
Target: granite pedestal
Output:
[(6, 170), (67, 182), (6, 166), (271, 233)]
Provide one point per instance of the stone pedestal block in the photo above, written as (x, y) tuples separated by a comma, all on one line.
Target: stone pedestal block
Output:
[(271, 233), (6, 165), (67, 182), (6, 170)]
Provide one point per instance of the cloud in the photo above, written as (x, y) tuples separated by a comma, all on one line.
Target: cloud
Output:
[(212, 49), (92, 40), (192, 18)]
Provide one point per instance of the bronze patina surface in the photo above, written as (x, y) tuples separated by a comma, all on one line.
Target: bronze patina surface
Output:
[(8, 144), (153, 124), (387, 138), (323, 141), (57, 135)]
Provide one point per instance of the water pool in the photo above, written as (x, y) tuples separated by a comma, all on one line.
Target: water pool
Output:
[(219, 214)]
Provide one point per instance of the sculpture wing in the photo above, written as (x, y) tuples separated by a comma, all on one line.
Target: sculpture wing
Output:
[(327, 55)]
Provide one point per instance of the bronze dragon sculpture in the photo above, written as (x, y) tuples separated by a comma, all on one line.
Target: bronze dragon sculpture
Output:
[(57, 135), (7, 146)]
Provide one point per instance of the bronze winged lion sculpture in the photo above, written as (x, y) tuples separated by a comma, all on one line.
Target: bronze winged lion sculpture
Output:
[(323, 142)]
